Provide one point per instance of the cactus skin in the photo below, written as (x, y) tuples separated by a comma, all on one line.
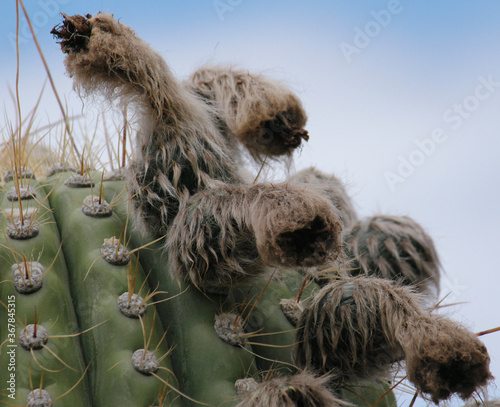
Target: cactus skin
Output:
[(52, 303), (259, 303), (111, 345), (369, 392)]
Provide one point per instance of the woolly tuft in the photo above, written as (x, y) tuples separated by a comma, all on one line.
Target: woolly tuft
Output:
[(333, 189), (349, 326), (179, 148), (245, 386), (395, 248), (360, 326), (222, 236), (445, 359), (301, 390), (265, 116)]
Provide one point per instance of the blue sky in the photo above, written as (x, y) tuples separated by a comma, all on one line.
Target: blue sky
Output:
[(367, 113)]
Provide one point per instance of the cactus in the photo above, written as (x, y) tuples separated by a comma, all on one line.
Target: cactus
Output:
[(184, 284), (92, 363)]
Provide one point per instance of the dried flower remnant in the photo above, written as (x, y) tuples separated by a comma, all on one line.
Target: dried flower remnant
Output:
[(361, 326)]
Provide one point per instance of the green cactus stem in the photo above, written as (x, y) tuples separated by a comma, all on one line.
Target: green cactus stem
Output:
[(210, 366), (111, 338), (43, 346)]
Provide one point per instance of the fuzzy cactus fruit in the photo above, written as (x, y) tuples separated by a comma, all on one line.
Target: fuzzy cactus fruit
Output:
[(396, 248), (360, 327)]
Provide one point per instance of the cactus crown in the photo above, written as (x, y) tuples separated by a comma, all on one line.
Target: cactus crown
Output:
[(216, 302)]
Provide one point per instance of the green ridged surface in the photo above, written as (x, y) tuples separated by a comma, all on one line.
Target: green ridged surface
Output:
[(109, 346), (269, 330), (369, 393), (54, 307), (206, 366)]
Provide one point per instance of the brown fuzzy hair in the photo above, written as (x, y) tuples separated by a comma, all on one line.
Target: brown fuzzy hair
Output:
[(333, 189), (485, 403), (446, 358), (360, 326), (218, 239), (395, 248), (347, 330), (179, 147), (301, 390), (261, 113), (184, 163)]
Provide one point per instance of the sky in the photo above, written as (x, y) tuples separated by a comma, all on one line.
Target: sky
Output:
[(403, 100)]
